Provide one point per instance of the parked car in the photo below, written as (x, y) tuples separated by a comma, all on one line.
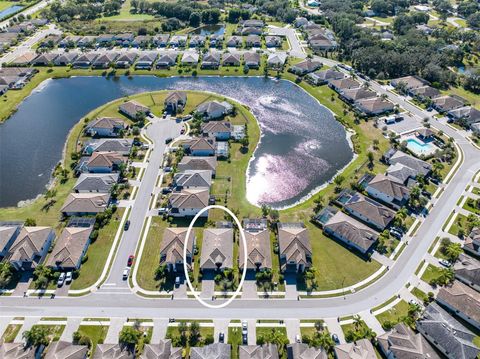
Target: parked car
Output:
[(445, 263), (221, 337), (298, 338), (61, 279), (244, 339), (182, 131), (177, 282), (68, 277), (396, 234), (335, 338), (168, 140), (162, 210), (126, 272), (130, 260), (127, 225), (166, 190), (244, 327), (413, 302), (168, 169)]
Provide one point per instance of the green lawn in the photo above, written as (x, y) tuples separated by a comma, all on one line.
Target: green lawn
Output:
[(394, 314), (126, 15), (420, 294), (96, 333), (11, 333), (470, 206), (460, 222), (6, 4), (361, 327), (476, 190), (55, 331), (431, 273), (174, 334)]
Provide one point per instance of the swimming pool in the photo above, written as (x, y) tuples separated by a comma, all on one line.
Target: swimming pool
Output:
[(420, 147)]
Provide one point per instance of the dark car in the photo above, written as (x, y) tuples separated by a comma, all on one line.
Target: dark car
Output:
[(127, 225), (221, 337), (244, 339), (168, 140), (335, 338), (130, 260)]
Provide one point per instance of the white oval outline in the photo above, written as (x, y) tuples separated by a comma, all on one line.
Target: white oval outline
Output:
[(185, 269)]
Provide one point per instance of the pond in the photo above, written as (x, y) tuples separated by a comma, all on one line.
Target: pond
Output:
[(209, 30), (302, 145), (9, 11)]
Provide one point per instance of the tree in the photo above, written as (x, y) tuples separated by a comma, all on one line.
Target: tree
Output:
[(453, 251), (36, 336), (129, 336), (194, 19), (30, 222), (194, 333), (338, 180), (6, 274), (42, 276)]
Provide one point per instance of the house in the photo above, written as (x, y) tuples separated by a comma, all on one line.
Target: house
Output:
[(114, 351), (253, 23), (251, 31), (211, 110), (424, 92), (445, 104), (66, 350), (321, 42), (231, 59), (467, 114), (101, 162), (352, 95), (352, 232), (216, 350), (105, 127), (85, 60), (18, 351), (403, 342), (141, 41), (462, 301), (70, 248), (188, 202), (105, 60), (343, 84), (162, 350), (175, 101), (80, 204), (197, 41), (166, 61), (447, 334), (145, 60), (121, 146), (190, 58), (220, 130), (217, 249), (257, 236), (171, 250), (30, 247), (322, 77), (300, 22), (105, 40), (192, 179), (161, 40), (305, 67), (362, 348), (45, 59), (265, 351), (178, 41), (211, 60), (303, 351), (252, 60), (124, 39), (133, 109), (374, 106), (235, 41), (472, 242), (69, 41), (388, 190), (409, 82), (273, 41), (401, 173), (276, 60), (190, 163), (24, 59), (253, 41), (201, 146), (216, 40), (367, 210), (419, 166), (95, 182), (8, 233), (294, 246), (467, 270), (126, 60), (66, 58)]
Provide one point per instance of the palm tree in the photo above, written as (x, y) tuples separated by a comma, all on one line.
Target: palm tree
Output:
[(453, 251), (325, 341)]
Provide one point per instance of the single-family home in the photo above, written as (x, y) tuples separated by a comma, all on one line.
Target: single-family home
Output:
[(462, 301), (257, 236), (276, 60), (192, 179), (472, 242), (235, 41), (190, 58), (216, 40), (466, 114), (105, 60), (30, 247), (216, 350), (273, 41), (447, 334), (360, 93), (408, 83), (321, 42), (145, 60), (8, 233), (343, 84), (300, 21), (86, 41), (81, 204), (105, 127), (166, 60), (122, 146), (251, 60), (424, 92), (85, 60), (178, 41), (197, 41), (66, 58), (401, 172), (467, 270), (70, 248), (63, 349), (124, 39), (352, 232), (105, 40), (253, 23), (101, 162), (175, 101), (361, 348), (188, 202), (115, 351), (95, 182), (126, 59), (305, 67), (303, 351), (403, 342), (171, 249), (253, 41), (217, 249), (230, 59), (367, 210), (294, 247), (45, 59), (251, 31), (264, 351), (211, 110), (419, 166), (220, 130), (374, 106), (141, 41), (211, 60), (201, 146), (322, 77), (19, 351), (163, 350), (388, 190), (133, 109), (161, 40), (69, 41), (191, 163), (447, 103)]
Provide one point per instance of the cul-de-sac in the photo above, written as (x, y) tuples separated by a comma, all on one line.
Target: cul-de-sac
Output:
[(245, 179)]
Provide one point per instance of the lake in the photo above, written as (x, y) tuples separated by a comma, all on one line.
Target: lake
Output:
[(209, 30), (9, 11), (302, 145)]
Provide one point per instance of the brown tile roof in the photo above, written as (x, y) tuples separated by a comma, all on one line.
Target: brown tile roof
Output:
[(171, 249), (389, 186), (217, 248), (361, 349), (370, 209), (462, 298), (294, 243), (197, 163), (66, 350), (216, 126), (106, 122), (29, 242), (105, 159), (190, 198), (69, 247), (86, 203), (265, 351), (133, 107), (258, 250)]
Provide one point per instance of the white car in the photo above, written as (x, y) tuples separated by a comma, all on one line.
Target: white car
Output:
[(445, 263), (68, 278), (61, 279), (413, 302), (244, 327), (126, 272)]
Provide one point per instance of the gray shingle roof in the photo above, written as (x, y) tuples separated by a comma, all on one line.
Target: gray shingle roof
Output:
[(211, 351), (266, 351), (96, 182), (303, 351)]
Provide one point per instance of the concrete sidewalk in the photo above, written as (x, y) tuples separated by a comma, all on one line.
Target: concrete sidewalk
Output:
[(116, 325)]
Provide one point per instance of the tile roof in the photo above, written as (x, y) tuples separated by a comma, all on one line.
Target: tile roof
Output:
[(173, 242), (197, 163), (211, 351), (361, 349), (190, 198), (303, 351), (29, 242), (418, 165), (86, 203), (389, 186), (217, 248), (462, 298), (370, 209), (66, 350), (265, 351), (69, 247), (96, 182), (258, 250), (162, 350), (294, 242)]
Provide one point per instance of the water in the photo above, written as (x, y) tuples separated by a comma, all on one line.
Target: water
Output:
[(302, 146), (209, 30), (420, 148), (9, 11)]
